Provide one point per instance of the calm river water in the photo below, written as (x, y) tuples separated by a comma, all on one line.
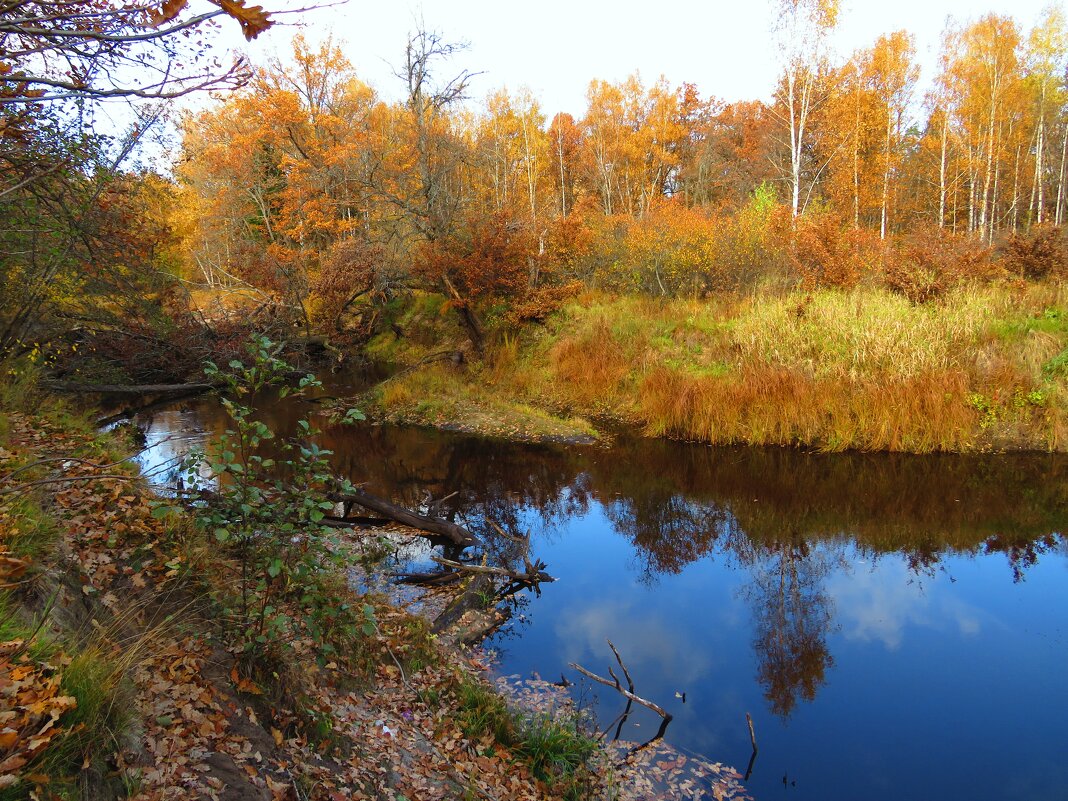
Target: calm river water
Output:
[(896, 625)]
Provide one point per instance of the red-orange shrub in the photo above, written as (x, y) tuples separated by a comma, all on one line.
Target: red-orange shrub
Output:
[(1039, 253)]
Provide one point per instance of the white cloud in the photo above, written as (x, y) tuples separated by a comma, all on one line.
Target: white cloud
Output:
[(881, 603)]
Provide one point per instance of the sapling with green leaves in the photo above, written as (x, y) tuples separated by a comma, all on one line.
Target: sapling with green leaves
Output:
[(267, 515)]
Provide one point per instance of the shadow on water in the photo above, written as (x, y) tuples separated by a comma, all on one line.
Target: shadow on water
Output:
[(792, 528)]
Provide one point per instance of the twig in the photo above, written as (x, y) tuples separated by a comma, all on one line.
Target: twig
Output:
[(435, 505), (753, 756), (631, 696), (505, 534), (625, 693), (86, 462), (619, 659), (64, 480)]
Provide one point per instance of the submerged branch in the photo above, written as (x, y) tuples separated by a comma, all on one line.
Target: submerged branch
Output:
[(533, 575), (453, 532), (630, 695)]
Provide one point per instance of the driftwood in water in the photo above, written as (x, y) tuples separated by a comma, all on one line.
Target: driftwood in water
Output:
[(535, 574), (631, 696), (752, 739), (454, 533), (129, 389)]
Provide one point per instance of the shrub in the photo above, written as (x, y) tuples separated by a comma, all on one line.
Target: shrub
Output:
[(267, 516), (745, 253), (349, 270), (927, 262), (1036, 254), (820, 252)]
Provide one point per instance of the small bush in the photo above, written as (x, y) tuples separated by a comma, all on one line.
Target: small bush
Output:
[(1036, 254), (821, 252), (928, 262), (285, 558)]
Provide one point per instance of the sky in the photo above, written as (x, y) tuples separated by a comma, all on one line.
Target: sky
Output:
[(556, 47)]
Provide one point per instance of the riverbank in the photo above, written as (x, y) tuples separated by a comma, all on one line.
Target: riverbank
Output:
[(981, 369), (124, 682)]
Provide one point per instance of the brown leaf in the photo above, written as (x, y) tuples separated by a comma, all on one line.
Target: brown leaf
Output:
[(246, 686), (252, 19), (11, 568)]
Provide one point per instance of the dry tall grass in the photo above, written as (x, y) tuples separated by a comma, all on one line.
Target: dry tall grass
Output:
[(864, 369)]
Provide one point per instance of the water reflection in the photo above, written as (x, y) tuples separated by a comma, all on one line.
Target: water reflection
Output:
[(668, 549), (792, 616)]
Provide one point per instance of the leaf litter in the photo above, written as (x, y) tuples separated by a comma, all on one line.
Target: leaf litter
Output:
[(203, 730)]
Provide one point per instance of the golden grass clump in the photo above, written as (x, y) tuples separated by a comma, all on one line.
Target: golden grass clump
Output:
[(777, 406), (591, 364)]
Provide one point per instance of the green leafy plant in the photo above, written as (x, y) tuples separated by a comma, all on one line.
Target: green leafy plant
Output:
[(267, 514)]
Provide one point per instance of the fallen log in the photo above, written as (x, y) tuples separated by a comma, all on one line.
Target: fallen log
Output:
[(129, 389), (475, 601), (533, 575), (427, 579), (454, 533)]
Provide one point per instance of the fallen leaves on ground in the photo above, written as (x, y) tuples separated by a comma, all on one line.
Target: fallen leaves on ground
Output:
[(31, 705), (204, 730)]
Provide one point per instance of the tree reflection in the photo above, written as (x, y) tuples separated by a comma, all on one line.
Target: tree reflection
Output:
[(792, 617), (1023, 552), (677, 504), (668, 530)]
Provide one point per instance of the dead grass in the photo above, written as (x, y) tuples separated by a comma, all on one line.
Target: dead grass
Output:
[(861, 369), (777, 406), (865, 368)]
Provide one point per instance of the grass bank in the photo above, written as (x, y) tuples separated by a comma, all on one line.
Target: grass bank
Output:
[(431, 390), (982, 368)]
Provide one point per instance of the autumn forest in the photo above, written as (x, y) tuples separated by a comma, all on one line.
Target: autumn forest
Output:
[(279, 349), (308, 185)]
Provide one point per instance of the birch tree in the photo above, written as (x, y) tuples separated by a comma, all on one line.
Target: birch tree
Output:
[(1045, 58), (802, 28)]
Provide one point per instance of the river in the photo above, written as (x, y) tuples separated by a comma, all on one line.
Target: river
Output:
[(897, 626)]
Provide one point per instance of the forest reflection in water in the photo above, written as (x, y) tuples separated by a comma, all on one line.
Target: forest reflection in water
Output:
[(788, 518), (734, 572)]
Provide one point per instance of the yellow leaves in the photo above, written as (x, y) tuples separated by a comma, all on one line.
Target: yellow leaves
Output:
[(252, 19)]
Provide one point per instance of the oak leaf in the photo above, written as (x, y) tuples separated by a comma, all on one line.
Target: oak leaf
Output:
[(252, 19)]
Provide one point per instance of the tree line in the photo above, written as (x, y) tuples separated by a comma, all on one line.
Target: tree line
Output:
[(310, 190), (307, 181)]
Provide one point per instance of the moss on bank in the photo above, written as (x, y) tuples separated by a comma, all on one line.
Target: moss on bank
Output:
[(981, 369)]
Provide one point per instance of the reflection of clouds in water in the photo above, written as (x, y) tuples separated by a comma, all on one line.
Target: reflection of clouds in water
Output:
[(170, 435), (645, 641), (879, 604)]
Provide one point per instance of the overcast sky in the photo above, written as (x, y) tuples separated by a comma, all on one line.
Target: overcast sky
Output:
[(557, 46)]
